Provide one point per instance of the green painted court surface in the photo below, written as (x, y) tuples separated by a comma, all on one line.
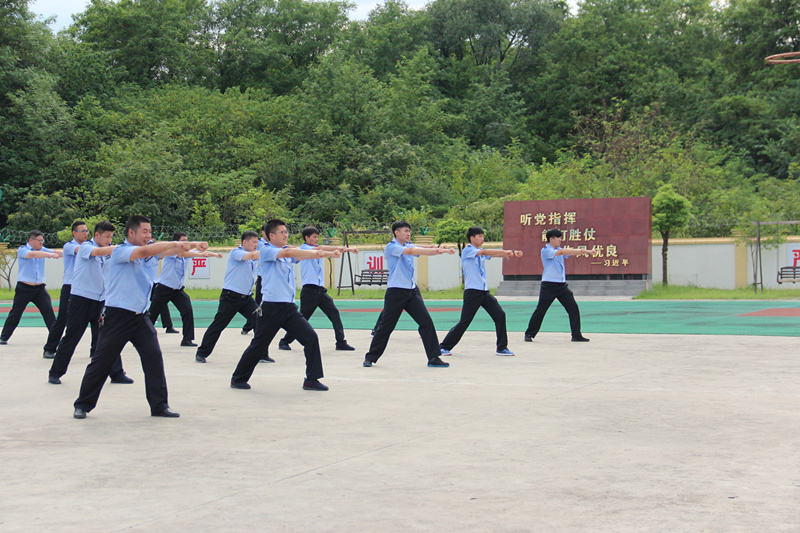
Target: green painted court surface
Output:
[(781, 318)]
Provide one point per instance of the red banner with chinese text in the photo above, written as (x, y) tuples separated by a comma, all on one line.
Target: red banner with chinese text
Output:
[(619, 227)]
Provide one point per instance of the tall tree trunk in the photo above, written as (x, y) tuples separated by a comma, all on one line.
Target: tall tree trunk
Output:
[(664, 249)]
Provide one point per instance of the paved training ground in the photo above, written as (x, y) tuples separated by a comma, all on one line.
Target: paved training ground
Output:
[(630, 432)]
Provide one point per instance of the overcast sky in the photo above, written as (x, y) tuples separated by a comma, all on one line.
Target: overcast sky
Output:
[(64, 9)]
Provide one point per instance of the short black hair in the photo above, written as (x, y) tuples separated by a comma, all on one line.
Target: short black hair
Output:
[(134, 222), (271, 225), (178, 234), (555, 232), (104, 226), (264, 229), (77, 223), (34, 233), (249, 234), (398, 225), (474, 230), (309, 231)]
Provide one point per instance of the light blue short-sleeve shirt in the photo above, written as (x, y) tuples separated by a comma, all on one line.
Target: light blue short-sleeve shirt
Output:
[(401, 267), (69, 260), (553, 265), (474, 269), (277, 275), (173, 272), (31, 270), (129, 283), (91, 273), (262, 242), (240, 274), (311, 270)]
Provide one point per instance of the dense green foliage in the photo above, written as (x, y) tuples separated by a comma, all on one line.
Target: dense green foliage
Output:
[(219, 112)]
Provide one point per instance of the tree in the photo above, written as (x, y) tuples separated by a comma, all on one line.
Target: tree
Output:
[(671, 212), (453, 230), (8, 258), (155, 41)]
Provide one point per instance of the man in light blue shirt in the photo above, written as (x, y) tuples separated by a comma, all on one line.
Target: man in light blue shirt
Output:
[(80, 234), (236, 296), (314, 295), (554, 286), (86, 302), (30, 284), (126, 319), (170, 288), (476, 293), (279, 310), (402, 294)]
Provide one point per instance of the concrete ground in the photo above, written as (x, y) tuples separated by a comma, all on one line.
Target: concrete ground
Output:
[(625, 433)]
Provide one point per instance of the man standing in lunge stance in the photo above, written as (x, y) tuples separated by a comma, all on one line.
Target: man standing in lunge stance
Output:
[(554, 286), (402, 294), (476, 293)]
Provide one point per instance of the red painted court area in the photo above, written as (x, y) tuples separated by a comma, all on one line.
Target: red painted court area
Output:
[(780, 311)]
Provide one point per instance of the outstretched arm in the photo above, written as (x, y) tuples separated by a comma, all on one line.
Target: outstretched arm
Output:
[(577, 251), (167, 248), (501, 253), (417, 250), (299, 254)]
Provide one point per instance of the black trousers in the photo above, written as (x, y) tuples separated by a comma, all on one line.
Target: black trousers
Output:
[(275, 316), (313, 297), (57, 329), (548, 292), (82, 312), (474, 300), (166, 319), (23, 295), (162, 295), (230, 303), (121, 327), (394, 303)]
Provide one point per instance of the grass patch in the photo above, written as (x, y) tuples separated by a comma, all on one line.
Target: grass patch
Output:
[(679, 292)]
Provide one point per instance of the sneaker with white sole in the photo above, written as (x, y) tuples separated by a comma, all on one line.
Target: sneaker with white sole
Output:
[(504, 351)]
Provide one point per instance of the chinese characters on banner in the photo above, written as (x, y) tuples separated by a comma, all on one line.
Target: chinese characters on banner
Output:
[(374, 260), (619, 228), (793, 252), (199, 268)]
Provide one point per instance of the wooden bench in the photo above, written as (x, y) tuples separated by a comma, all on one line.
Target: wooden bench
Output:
[(789, 275), (372, 277)]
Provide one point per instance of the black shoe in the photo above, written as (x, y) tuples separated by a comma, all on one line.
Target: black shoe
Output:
[(79, 413), (54, 380), (49, 355), (189, 343), (580, 339), (344, 347), (367, 362), (437, 363), (313, 384), (199, 358), (245, 332), (266, 359), (284, 346), (238, 385), (166, 413), (171, 330), (528, 338), (123, 379), (3, 341)]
